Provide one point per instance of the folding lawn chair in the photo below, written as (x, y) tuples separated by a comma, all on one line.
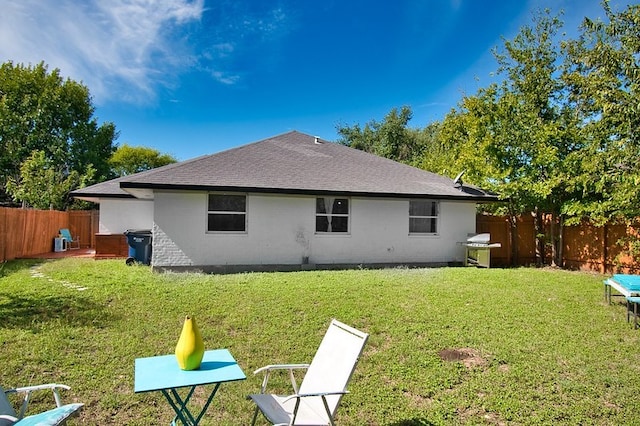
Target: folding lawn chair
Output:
[(70, 241), (325, 382), (56, 416)]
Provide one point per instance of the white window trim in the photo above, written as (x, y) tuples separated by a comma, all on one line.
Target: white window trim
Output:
[(245, 213), (436, 217), (347, 215)]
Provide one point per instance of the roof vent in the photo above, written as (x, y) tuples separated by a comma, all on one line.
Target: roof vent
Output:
[(317, 141)]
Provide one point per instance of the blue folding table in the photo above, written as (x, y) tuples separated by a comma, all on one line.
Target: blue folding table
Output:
[(625, 285), (161, 373)]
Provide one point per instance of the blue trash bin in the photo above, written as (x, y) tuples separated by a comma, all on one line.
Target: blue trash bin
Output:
[(139, 241)]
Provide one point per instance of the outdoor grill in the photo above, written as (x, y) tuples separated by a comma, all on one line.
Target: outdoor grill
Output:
[(478, 250)]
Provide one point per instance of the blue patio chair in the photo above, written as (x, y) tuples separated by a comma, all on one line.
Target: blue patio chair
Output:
[(56, 416), (70, 241)]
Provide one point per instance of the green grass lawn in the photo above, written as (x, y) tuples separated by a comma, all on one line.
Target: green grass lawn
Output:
[(536, 346)]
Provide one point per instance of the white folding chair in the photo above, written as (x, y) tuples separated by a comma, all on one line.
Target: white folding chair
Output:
[(325, 382)]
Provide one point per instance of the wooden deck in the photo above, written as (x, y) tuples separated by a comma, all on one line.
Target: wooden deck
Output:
[(81, 252)]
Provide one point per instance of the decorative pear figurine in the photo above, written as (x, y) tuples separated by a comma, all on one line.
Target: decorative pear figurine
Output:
[(190, 347)]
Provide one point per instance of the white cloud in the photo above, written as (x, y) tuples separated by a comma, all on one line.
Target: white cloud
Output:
[(120, 49)]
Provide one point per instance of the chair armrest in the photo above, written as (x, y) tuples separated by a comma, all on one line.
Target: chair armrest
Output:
[(39, 387), (274, 367), (308, 395), (281, 367), (26, 390)]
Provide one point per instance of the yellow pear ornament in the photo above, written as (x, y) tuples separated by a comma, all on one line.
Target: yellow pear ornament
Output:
[(190, 347)]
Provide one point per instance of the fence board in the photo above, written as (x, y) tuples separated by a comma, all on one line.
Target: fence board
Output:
[(27, 232), (81, 225), (585, 247), (498, 227)]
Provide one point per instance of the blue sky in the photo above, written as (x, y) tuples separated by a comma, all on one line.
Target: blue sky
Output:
[(194, 77)]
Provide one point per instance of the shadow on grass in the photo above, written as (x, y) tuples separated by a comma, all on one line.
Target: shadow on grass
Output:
[(9, 267), (28, 312), (412, 422)]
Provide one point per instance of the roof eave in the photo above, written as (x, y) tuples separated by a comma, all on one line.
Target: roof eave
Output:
[(295, 191), (94, 195)]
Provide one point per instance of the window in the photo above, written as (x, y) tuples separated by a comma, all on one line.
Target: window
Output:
[(227, 213), (423, 217), (332, 214)]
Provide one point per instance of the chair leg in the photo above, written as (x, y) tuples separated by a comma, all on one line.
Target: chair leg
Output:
[(255, 417)]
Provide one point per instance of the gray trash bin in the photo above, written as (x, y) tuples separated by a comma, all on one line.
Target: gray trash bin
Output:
[(139, 241)]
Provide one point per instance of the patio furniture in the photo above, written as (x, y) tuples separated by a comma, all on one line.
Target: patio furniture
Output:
[(625, 286), (325, 382), (161, 373), (56, 416), (633, 308), (66, 235)]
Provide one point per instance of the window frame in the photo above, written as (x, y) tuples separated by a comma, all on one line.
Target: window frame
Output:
[(332, 215), (228, 212), (429, 217)]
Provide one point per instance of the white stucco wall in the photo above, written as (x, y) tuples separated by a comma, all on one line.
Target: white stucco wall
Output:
[(118, 215), (281, 230)]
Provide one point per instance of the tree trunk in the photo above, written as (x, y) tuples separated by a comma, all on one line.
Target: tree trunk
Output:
[(513, 237), (552, 238), (539, 243), (560, 249)]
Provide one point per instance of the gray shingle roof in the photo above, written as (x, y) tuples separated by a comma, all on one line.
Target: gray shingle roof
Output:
[(293, 163)]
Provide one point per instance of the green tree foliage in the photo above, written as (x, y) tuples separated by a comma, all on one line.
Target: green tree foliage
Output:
[(559, 135), (390, 138), (42, 112), (514, 137), (133, 159), (43, 185), (603, 79)]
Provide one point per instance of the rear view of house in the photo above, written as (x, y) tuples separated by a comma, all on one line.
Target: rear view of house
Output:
[(291, 202)]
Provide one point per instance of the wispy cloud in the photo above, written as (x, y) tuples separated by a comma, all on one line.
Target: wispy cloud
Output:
[(240, 33), (120, 49)]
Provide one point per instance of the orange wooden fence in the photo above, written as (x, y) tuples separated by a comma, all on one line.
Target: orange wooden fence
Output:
[(27, 232), (584, 246)]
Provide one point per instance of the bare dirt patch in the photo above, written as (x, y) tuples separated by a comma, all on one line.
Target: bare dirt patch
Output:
[(469, 357)]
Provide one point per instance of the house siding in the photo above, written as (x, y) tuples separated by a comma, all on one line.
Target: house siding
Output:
[(281, 233), (118, 215)]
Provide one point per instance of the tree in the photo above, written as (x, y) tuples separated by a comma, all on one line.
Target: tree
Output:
[(514, 137), (603, 76), (42, 185), (128, 160), (390, 138), (39, 111)]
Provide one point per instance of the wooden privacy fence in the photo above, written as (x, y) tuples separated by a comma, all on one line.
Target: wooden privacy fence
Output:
[(584, 246), (26, 232)]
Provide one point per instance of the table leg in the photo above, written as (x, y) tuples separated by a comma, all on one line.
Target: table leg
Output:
[(206, 405), (180, 406)]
